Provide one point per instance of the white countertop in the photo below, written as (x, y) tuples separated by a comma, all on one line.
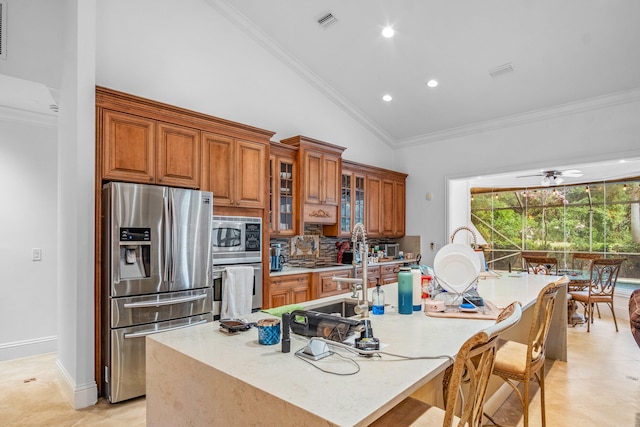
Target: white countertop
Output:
[(302, 270), (356, 399)]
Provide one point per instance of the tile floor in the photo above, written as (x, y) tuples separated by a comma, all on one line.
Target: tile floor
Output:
[(599, 387)]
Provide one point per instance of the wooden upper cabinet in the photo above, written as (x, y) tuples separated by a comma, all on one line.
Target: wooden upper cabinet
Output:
[(321, 168), (234, 170), (142, 150), (251, 178), (373, 194), (399, 207), (128, 149), (332, 172), (387, 200), (145, 141), (321, 177), (178, 156), (385, 203)]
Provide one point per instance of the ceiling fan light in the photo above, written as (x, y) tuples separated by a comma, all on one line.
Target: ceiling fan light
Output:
[(545, 181), (558, 180)]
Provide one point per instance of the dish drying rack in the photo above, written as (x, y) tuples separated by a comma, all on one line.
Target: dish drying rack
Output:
[(459, 296)]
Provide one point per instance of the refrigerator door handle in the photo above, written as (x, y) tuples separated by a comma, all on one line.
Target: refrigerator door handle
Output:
[(145, 333), (174, 251), (165, 302), (167, 240)]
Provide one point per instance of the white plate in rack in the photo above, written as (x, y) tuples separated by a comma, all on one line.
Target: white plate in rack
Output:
[(456, 266)]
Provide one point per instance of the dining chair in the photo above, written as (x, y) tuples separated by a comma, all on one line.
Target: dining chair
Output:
[(470, 372), (541, 265), (581, 262), (602, 285), (523, 362)]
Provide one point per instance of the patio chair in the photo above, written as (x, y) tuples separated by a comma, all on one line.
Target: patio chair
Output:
[(604, 276)]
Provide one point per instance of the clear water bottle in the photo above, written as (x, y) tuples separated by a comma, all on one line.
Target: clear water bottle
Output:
[(416, 275), (405, 291), (377, 305)]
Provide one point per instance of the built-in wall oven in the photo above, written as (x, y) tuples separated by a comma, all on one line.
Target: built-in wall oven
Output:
[(236, 240)]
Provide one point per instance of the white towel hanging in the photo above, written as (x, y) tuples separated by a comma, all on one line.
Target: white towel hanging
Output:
[(237, 291)]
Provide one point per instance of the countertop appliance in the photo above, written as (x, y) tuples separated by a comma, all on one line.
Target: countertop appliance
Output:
[(156, 257), (392, 250), (236, 240), (276, 258)]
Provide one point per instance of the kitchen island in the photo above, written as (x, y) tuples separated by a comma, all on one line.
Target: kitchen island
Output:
[(202, 376)]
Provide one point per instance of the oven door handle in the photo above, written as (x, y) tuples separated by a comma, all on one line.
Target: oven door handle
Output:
[(165, 302), (145, 333)]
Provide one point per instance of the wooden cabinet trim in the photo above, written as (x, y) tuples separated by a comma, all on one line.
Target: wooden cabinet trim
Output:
[(131, 104)]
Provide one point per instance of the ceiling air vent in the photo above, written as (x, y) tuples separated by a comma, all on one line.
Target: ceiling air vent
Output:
[(327, 20), (501, 70), (3, 29)]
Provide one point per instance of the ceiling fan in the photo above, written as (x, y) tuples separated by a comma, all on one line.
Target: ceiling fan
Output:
[(554, 177)]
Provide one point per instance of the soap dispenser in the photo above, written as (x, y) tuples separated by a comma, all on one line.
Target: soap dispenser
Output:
[(377, 306)]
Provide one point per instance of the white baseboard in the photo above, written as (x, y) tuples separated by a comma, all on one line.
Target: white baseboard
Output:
[(79, 396), (20, 349)]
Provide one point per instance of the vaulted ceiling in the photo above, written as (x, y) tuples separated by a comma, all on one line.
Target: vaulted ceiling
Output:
[(545, 55)]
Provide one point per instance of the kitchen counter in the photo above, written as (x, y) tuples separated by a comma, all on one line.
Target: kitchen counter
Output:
[(202, 376), (301, 270)]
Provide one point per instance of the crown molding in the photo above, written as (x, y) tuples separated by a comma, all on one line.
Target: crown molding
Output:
[(28, 117), (591, 104), (248, 27)]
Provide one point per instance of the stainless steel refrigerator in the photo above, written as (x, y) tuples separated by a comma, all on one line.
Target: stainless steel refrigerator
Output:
[(156, 274)]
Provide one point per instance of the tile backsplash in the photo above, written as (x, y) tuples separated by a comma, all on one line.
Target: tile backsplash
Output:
[(328, 250)]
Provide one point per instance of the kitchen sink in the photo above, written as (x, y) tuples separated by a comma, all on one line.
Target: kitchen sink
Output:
[(342, 308)]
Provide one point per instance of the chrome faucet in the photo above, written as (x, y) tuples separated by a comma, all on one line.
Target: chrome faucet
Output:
[(359, 243)]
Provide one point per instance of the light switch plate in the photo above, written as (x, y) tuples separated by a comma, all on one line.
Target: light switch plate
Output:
[(37, 254)]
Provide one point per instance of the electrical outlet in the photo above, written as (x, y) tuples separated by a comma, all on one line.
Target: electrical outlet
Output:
[(433, 246), (36, 254)]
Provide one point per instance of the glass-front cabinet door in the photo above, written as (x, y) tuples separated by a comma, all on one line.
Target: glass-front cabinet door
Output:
[(351, 202), (345, 204), (285, 197), (282, 194)]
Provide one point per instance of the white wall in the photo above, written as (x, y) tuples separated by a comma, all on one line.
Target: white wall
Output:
[(193, 57), (28, 215), (34, 41), (597, 134)]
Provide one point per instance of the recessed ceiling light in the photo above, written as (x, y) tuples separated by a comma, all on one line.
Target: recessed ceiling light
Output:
[(387, 98), (388, 32), (432, 83)]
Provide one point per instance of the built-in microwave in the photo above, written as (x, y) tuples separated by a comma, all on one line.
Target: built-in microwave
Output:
[(236, 240)]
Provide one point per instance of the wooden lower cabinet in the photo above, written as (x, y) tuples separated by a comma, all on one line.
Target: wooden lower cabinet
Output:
[(389, 273), (373, 274), (289, 289), (324, 285)]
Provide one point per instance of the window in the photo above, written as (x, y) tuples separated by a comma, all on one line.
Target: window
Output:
[(599, 217)]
